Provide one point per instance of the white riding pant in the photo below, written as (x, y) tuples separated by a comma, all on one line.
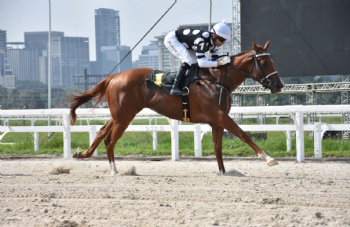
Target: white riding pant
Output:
[(179, 50)]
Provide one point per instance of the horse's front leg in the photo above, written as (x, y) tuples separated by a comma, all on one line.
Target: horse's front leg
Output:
[(217, 133), (231, 126)]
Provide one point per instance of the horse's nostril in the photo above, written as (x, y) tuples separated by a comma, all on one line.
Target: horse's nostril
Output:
[(280, 85)]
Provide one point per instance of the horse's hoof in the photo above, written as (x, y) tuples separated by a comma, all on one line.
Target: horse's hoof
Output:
[(272, 162), (75, 155), (114, 173)]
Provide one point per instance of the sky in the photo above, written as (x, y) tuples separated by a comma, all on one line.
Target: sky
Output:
[(76, 18)]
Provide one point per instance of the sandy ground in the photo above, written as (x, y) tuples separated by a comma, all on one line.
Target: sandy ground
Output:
[(167, 193)]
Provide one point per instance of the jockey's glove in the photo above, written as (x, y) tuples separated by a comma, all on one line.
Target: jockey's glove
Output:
[(225, 60)]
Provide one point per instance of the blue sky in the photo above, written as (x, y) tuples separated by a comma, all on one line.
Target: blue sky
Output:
[(76, 17)]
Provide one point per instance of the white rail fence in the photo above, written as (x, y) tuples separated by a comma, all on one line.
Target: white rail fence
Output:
[(198, 129)]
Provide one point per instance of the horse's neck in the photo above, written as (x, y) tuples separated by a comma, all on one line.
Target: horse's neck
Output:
[(234, 79)]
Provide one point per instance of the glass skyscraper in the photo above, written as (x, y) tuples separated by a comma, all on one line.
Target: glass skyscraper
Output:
[(70, 56), (107, 32)]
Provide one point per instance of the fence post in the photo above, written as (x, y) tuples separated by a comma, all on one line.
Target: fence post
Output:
[(154, 134), (300, 136), (174, 139), (66, 137), (318, 140), (36, 141), (289, 140), (36, 136), (92, 136), (197, 141)]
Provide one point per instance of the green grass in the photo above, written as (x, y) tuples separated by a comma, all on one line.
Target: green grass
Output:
[(140, 143)]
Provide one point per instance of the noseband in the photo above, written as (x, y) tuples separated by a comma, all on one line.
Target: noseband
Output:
[(265, 82)]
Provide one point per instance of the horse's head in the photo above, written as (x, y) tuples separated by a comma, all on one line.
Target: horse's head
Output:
[(264, 70)]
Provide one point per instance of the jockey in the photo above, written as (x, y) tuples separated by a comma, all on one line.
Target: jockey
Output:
[(190, 45)]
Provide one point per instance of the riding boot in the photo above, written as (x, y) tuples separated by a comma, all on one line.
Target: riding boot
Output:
[(182, 71)]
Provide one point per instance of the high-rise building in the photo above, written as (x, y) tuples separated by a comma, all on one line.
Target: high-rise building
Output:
[(168, 62), (135, 64), (149, 56), (7, 79), (2, 51), (2, 39), (2, 62), (107, 31), (112, 55), (70, 56), (38, 41), (24, 62)]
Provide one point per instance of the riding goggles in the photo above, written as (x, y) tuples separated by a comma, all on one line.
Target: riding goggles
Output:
[(221, 39)]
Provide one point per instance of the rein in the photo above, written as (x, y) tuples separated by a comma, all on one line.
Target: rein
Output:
[(265, 82)]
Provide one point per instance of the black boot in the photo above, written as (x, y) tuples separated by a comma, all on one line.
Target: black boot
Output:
[(182, 71)]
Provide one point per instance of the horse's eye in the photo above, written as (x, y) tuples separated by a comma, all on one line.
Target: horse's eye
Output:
[(264, 63)]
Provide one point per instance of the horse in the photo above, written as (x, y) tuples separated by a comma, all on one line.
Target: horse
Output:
[(127, 94)]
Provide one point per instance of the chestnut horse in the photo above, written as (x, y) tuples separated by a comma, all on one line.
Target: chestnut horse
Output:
[(127, 94)]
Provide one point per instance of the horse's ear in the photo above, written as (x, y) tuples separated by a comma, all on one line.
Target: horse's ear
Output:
[(267, 45), (255, 47)]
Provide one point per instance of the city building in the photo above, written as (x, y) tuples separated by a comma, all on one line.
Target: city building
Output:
[(2, 39), (149, 56), (168, 62), (24, 62), (135, 64), (2, 51), (107, 32), (2, 62), (7, 78), (70, 55), (93, 67), (112, 56), (38, 42)]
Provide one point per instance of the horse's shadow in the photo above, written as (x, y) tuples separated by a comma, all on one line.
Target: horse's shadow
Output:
[(234, 173)]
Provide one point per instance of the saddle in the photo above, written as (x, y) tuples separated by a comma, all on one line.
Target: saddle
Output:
[(165, 80)]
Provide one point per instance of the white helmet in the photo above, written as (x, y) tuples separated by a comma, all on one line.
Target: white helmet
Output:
[(222, 30)]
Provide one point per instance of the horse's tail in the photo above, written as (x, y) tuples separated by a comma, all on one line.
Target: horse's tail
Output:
[(98, 92)]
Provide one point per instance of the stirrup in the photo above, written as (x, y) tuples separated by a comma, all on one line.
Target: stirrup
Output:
[(176, 91), (187, 93)]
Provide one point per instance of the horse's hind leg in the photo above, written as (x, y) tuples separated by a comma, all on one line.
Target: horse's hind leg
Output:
[(102, 134), (218, 132), (119, 126)]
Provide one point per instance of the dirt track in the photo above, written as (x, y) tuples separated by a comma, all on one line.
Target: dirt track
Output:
[(166, 193)]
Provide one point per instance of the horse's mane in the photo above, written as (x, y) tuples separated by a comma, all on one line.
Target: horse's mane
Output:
[(241, 53)]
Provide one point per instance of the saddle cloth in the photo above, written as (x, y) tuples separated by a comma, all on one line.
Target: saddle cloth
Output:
[(165, 80)]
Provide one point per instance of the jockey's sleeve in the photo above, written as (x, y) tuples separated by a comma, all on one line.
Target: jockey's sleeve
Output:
[(205, 63), (214, 52)]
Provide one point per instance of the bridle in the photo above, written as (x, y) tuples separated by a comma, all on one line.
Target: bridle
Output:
[(263, 80)]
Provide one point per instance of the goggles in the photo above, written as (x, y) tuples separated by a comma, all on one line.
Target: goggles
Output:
[(221, 39)]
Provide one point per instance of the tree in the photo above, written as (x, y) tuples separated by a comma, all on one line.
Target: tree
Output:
[(14, 100), (30, 85), (32, 100)]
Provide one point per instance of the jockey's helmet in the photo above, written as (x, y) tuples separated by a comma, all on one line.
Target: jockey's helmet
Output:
[(222, 30)]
